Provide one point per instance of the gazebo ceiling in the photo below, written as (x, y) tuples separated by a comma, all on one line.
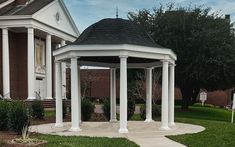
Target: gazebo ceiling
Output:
[(116, 60), (115, 31)]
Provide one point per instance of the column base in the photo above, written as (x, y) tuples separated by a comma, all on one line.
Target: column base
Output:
[(59, 125), (172, 124), (123, 131), (31, 98), (149, 120), (75, 129), (164, 128), (49, 98), (113, 120)]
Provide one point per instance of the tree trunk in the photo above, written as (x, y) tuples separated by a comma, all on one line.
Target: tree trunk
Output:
[(186, 96), (195, 94)]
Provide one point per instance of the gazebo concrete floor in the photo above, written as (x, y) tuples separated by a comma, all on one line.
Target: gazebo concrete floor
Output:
[(144, 134)]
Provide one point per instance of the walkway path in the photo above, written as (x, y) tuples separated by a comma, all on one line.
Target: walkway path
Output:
[(144, 134)]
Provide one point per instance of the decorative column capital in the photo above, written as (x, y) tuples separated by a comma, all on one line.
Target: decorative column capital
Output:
[(123, 56), (149, 68), (74, 58)]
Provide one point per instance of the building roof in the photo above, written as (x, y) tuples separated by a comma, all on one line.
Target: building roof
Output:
[(115, 31), (28, 9)]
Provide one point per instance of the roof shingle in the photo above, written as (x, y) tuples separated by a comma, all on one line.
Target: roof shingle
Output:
[(115, 31), (29, 9)]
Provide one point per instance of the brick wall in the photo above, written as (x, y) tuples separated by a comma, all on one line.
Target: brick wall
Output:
[(100, 88)]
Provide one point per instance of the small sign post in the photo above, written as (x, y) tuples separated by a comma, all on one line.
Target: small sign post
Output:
[(233, 108), (203, 97)]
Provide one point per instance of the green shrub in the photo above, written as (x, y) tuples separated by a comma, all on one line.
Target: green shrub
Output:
[(37, 110), (4, 108), (87, 109), (130, 108), (17, 116), (65, 109), (205, 105), (156, 111), (106, 108)]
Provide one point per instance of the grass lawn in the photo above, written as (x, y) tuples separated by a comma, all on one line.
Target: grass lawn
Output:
[(75, 141), (219, 131)]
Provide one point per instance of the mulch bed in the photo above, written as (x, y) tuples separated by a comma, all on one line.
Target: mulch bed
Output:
[(7, 136)]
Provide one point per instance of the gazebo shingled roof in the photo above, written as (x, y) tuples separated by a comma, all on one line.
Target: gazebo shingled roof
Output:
[(116, 31)]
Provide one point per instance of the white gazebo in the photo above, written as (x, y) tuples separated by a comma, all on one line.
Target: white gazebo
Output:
[(116, 43)]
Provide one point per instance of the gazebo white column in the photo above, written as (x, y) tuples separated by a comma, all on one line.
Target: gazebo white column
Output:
[(63, 43), (149, 95), (48, 67), (123, 94), (113, 95), (58, 96), (164, 117), (74, 96), (31, 65), (171, 95), (5, 63)]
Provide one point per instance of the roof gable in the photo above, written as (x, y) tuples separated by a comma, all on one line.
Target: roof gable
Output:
[(56, 15)]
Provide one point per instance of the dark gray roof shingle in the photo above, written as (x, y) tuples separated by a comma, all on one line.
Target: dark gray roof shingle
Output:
[(115, 31), (29, 9)]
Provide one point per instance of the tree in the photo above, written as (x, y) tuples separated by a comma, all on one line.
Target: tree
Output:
[(202, 41)]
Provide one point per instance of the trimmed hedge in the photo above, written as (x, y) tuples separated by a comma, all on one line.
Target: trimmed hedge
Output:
[(156, 111), (37, 110), (130, 108), (17, 116), (106, 108), (4, 107), (87, 109)]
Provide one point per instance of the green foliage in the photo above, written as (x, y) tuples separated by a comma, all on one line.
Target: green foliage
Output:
[(202, 41), (156, 111), (106, 108), (37, 110), (65, 109), (87, 109), (130, 108), (17, 116), (4, 108)]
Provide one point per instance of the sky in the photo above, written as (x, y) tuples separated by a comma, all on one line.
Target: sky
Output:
[(87, 12)]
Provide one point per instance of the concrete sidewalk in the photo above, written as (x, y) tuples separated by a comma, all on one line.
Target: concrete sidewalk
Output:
[(144, 134)]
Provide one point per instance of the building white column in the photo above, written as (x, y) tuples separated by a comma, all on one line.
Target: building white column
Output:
[(63, 74), (113, 95), (123, 95), (5, 63), (164, 118), (31, 65), (171, 95), (74, 96), (58, 96), (79, 96), (149, 95), (48, 67)]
